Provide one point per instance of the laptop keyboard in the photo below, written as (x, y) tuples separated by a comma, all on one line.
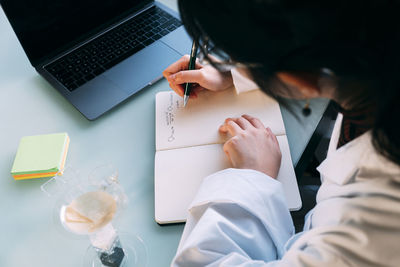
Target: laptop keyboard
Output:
[(104, 52)]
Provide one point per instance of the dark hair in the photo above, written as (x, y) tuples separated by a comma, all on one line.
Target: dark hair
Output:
[(357, 39)]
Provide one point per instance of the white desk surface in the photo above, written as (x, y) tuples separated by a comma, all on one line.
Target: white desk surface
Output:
[(124, 136)]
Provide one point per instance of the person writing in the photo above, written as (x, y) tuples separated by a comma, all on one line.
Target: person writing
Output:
[(347, 51)]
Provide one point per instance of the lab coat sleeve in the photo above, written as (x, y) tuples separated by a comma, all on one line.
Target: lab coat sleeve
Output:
[(242, 83), (238, 217)]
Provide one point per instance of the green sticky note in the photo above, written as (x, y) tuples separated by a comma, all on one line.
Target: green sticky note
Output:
[(40, 154)]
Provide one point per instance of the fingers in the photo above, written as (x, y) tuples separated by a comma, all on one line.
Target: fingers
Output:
[(187, 76), (251, 147), (230, 149), (231, 127), (177, 75), (245, 122), (226, 150), (179, 89), (254, 121), (181, 64)]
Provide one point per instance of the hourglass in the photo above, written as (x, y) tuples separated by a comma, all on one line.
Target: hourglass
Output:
[(88, 207)]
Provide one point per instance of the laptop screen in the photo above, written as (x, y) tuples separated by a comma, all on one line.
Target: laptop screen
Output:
[(45, 27)]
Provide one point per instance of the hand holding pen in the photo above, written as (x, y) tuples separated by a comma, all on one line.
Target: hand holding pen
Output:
[(202, 77)]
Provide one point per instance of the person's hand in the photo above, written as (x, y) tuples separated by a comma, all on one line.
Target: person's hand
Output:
[(203, 77), (252, 146)]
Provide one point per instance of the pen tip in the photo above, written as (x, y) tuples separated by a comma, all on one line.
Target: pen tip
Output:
[(185, 100)]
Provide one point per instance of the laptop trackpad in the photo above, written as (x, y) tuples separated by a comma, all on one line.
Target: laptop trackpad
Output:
[(139, 70)]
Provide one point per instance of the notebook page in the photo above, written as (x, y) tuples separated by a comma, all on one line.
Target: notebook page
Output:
[(176, 184), (198, 123)]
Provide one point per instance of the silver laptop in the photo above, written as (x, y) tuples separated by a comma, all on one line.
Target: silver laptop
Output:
[(98, 53)]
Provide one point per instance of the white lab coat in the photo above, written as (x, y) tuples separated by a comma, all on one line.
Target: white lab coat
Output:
[(240, 217)]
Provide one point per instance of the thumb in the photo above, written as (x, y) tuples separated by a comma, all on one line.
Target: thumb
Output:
[(226, 151)]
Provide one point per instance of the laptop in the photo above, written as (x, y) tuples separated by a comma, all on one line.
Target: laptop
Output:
[(98, 53)]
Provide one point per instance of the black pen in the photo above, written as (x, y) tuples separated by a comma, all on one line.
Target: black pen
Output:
[(192, 64)]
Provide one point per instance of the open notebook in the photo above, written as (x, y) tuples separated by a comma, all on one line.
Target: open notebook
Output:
[(189, 146)]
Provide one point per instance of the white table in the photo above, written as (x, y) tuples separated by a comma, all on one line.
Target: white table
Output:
[(125, 137)]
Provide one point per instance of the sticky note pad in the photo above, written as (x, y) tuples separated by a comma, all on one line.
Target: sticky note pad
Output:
[(40, 156)]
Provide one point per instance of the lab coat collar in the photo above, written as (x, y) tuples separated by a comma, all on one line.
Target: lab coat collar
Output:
[(359, 155)]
